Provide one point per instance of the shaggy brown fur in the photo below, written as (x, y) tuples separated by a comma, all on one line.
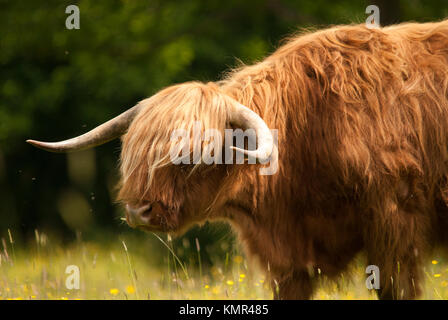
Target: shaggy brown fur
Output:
[(362, 116)]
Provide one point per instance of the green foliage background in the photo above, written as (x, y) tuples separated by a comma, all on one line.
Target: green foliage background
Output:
[(57, 83)]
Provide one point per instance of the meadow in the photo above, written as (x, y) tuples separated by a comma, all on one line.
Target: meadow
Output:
[(125, 267)]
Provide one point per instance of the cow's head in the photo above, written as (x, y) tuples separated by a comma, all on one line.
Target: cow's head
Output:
[(161, 189)]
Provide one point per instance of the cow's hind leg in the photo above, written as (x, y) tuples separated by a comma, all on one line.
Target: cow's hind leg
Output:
[(400, 275), (395, 239)]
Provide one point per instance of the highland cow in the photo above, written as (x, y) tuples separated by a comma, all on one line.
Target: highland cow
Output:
[(362, 120)]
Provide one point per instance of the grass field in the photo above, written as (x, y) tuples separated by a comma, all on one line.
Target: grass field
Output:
[(126, 268)]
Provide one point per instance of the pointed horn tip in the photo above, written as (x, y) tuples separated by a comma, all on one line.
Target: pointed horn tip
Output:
[(262, 157), (33, 142), (47, 146)]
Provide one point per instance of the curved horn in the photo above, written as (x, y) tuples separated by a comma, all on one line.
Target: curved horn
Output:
[(103, 133), (248, 119)]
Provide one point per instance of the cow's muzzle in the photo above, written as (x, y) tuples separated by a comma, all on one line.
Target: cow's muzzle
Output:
[(138, 216)]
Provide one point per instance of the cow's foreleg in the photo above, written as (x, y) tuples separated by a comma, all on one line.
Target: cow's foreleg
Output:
[(297, 286)]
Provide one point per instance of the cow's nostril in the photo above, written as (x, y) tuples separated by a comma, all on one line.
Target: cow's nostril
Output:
[(146, 211), (138, 216)]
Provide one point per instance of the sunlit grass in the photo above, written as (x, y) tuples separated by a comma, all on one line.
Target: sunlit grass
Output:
[(128, 269)]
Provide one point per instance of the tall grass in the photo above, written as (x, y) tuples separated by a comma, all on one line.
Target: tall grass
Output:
[(126, 268)]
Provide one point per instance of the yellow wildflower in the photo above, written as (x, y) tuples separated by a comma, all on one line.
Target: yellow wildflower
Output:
[(130, 289), (114, 291), (238, 259)]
